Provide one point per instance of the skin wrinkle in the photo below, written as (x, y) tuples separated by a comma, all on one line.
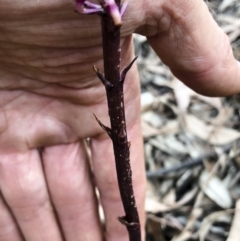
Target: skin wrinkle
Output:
[(178, 17), (69, 82), (172, 23), (18, 58), (76, 56), (36, 209), (73, 94), (9, 103), (83, 58), (61, 122), (38, 112), (76, 22), (40, 7), (75, 216), (210, 67), (98, 84), (60, 43), (40, 75), (31, 84), (20, 84), (33, 25), (46, 72)]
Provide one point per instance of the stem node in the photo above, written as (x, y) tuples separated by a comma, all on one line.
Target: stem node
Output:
[(123, 221)]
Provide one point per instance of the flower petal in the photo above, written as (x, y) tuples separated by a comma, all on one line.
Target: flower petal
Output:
[(86, 7), (112, 9), (123, 7)]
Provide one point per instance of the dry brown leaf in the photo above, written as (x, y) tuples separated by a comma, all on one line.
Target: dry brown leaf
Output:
[(170, 128), (147, 99), (188, 196), (148, 130), (223, 116), (152, 118), (225, 4), (169, 144), (234, 35), (234, 234), (222, 216), (154, 206), (215, 189), (214, 135), (186, 235), (152, 203), (183, 95)]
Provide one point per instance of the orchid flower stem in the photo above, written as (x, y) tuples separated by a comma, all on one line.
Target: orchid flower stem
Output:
[(113, 80), (121, 146)]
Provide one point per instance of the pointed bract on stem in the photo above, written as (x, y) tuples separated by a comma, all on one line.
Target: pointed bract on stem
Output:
[(105, 128), (105, 82), (125, 70)]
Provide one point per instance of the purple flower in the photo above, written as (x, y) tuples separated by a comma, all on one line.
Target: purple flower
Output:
[(108, 6), (86, 7)]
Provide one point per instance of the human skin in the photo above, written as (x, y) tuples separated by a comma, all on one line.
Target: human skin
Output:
[(48, 94)]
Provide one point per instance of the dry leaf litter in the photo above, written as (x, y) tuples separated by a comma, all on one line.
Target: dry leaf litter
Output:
[(191, 148)]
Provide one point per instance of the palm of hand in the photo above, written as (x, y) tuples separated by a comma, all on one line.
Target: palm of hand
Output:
[(49, 90), (48, 94)]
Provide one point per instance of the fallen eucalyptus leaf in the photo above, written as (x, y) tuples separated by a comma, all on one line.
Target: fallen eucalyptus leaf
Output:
[(183, 95), (147, 100), (152, 118), (225, 4), (222, 216), (215, 189), (234, 233), (213, 134)]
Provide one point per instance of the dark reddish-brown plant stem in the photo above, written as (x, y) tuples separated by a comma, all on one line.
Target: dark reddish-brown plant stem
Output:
[(113, 82)]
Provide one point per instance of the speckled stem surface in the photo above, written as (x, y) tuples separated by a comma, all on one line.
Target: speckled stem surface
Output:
[(118, 132)]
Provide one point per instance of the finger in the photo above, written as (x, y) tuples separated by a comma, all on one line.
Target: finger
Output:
[(197, 51), (9, 231), (106, 181), (68, 176), (24, 189)]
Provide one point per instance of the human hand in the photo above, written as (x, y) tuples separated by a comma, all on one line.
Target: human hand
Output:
[(49, 92), (188, 40)]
